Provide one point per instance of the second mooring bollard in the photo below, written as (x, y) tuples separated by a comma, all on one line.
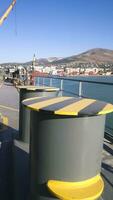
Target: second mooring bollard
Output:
[(66, 146), (21, 147), (24, 114)]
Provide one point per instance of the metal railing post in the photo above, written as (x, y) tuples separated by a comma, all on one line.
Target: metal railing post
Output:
[(38, 81), (80, 89), (61, 85), (51, 82), (43, 81)]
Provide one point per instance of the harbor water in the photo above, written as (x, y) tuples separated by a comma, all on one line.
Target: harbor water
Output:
[(97, 87)]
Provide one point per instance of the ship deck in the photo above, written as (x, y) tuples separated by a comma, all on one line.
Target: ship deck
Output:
[(9, 108)]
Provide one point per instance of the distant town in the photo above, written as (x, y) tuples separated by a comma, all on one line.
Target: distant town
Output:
[(93, 62)]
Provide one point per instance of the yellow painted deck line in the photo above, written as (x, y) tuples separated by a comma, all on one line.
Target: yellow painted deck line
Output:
[(5, 120), (40, 105), (107, 109), (9, 108), (75, 108)]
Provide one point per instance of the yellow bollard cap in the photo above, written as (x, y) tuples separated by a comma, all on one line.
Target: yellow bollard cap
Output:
[(90, 189), (38, 88), (70, 106)]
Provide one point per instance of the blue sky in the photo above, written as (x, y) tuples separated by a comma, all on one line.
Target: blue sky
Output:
[(55, 28)]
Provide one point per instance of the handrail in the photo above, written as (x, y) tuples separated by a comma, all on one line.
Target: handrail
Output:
[(78, 80)]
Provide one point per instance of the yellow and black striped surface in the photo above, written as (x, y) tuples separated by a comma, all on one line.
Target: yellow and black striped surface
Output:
[(69, 106), (38, 88)]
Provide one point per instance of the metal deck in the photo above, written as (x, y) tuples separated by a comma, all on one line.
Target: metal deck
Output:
[(9, 107), (9, 104)]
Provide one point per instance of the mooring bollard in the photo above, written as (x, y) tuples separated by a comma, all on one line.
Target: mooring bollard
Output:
[(66, 146), (21, 147), (24, 114)]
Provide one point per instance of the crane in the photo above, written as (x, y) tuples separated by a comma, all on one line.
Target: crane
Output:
[(7, 12)]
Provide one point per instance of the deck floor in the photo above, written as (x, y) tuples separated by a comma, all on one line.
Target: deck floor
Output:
[(9, 104)]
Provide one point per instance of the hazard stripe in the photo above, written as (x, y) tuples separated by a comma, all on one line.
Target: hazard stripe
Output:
[(31, 101), (107, 109), (45, 103), (59, 105), (38, 88), (75, 107), (68, 106), (43, 89), (93, 109)]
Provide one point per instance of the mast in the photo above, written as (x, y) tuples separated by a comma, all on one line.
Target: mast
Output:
[(7, 12), (33, 62)]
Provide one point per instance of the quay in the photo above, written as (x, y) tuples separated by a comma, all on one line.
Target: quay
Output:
[(9, 113)]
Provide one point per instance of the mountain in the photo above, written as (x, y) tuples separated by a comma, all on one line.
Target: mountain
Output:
[(96, 56), (53, 59), (40, 61)]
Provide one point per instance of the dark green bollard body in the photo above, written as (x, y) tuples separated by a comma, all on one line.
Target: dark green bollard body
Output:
[(66, 147), (24, 114)]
